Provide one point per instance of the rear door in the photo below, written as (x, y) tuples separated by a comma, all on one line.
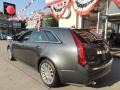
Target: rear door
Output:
[(97, 51), (36, 47)]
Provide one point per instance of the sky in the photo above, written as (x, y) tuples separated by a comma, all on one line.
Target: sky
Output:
[(20, 4)]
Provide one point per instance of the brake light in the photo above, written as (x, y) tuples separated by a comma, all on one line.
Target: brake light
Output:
[(80, 49)]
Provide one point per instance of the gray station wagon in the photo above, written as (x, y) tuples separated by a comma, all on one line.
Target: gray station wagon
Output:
[(63, 55)]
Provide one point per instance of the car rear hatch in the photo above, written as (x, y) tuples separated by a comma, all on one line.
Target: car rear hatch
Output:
[(96, 50)]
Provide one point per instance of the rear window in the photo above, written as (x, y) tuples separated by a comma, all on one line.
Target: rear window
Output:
[(88, 36)]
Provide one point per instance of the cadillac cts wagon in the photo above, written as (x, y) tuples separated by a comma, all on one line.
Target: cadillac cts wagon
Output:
[(63, 55)]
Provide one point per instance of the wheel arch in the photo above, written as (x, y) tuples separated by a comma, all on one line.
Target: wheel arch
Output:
[(50, 59), (43, 58)]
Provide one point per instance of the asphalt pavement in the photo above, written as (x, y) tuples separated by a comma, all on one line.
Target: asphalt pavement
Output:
[(16, 75)]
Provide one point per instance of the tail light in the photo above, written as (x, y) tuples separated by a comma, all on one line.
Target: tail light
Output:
[(80, 49)]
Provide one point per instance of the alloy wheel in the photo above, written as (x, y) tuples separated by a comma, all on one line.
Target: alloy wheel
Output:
[(47, 73)]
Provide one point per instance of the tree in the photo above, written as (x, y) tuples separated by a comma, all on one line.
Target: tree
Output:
[(50, 21)]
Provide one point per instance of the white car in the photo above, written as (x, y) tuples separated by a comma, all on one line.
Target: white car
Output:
[(9, 38)]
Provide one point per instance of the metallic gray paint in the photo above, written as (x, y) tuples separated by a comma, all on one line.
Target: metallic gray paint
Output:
[(63, 55)]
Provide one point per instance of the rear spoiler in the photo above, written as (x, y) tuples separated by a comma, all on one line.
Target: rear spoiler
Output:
[(74, 29)]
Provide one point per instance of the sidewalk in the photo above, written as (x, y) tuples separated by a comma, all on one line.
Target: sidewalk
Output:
[(115, 51)]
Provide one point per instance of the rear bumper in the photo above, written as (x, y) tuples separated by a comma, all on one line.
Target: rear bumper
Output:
[(84, 75), (98, 72)]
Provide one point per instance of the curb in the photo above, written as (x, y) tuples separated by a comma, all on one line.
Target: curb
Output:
[(115, 56)]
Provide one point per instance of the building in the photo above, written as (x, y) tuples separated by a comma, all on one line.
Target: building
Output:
[(71, 19), (35, 21), (10, 27), (94, 19), (114, 15)]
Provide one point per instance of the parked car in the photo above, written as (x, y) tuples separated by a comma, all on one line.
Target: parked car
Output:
[(63, 55), (9, 37), (3, 36), (0, 37), (113, 37)]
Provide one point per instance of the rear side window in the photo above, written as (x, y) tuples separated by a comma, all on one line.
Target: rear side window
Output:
[(38, 36), (50, 36)]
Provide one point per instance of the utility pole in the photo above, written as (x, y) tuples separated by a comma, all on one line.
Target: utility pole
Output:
[(106, 21), (78, 21), (98, 22)]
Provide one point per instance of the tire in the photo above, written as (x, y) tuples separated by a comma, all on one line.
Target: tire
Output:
[(10, 55), (49, 74)]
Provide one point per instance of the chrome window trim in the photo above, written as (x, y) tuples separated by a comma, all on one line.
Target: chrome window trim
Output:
[(47, 42)]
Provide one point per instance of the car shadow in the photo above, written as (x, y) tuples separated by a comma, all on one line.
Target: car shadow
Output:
[(113, 77)]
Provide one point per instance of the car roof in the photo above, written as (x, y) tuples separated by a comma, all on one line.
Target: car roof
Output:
[(43, 28), (58, 28)]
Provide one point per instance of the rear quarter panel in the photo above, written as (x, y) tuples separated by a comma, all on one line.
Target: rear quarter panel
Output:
[(65, 58), (64, 54)]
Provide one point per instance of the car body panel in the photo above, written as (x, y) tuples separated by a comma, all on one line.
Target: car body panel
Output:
[(64, 55)]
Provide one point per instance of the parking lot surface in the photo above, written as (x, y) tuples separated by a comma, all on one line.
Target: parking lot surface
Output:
[(16, 75)]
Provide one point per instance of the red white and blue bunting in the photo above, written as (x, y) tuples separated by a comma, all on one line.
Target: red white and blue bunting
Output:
[(82, 7), (117, 2), (27, 6), (59, 8)]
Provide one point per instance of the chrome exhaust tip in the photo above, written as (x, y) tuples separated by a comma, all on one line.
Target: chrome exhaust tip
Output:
[(93, 83)]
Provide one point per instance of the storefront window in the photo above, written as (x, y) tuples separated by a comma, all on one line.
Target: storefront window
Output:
[(91, 21)]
